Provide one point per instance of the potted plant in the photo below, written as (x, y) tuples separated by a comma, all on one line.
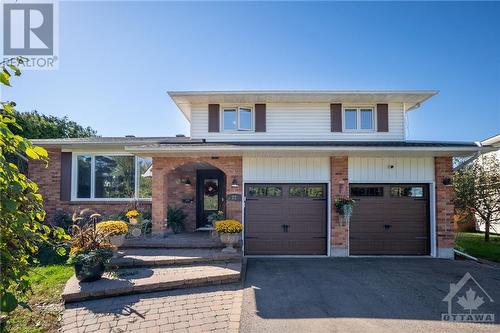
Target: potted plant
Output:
[(175, 219), (230, 233), (90, 252), (132, 216), (344, 207), (115, 229), (215, 216)]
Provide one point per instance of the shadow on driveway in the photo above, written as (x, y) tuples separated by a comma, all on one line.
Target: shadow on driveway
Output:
[(361, 294)]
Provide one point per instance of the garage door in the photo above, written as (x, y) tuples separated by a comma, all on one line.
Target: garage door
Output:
[(390, 220), (285, 219)]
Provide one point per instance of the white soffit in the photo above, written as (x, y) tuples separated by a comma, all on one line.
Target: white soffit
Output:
[(412, 98)]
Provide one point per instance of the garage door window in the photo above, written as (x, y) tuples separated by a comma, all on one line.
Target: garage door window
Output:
[(264, 191), (407, 191), (305, 192), (367, 191)]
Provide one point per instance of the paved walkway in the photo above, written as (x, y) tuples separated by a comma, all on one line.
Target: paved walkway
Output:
[(204, 309)]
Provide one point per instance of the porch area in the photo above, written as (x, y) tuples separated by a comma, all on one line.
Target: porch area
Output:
[(199, 186)]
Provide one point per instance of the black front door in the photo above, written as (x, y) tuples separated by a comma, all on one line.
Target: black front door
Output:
[(210, 194)]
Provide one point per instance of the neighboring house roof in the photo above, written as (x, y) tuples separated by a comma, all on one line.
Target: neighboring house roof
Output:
[(412, 98), (492, 141)]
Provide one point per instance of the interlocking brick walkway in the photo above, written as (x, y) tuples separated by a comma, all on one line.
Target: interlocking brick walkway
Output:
[(205, 309)]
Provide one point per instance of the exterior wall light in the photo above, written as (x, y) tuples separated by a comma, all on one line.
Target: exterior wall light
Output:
[(186, 182), (447, 181), (235, 183)]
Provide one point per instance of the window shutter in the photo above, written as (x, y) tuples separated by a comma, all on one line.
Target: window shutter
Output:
[(382, 118), (66, 176), (213, 117), (260, 117), (336, 117)]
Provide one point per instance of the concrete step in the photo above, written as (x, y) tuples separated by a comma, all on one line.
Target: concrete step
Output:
[(141, 280), (150, 257)]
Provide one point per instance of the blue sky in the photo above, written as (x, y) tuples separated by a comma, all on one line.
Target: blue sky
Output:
[(118, 59)]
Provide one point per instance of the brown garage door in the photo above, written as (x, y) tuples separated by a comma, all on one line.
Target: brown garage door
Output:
[(285, 219), (390, 219)]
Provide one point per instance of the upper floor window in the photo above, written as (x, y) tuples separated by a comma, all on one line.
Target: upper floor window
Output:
[(359, 119), (111, 177), (237, 119)]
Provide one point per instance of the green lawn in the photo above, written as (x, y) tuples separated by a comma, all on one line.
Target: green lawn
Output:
[(45, 301), (473, 243)]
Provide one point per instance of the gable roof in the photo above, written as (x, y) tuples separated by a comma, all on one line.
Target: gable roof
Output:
[(412, 98)]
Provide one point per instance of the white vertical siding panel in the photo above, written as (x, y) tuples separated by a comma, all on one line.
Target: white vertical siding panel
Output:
[(377, 169), (286, 169), (297, 122)]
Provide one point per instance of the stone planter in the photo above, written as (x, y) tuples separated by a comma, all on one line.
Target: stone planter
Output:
[(86, 273), (117, 240), (229, 240)]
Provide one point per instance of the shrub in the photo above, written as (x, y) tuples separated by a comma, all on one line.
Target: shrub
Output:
[(228, 226), (113, 228)]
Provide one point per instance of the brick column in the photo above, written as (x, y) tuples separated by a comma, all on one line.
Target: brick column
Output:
[(444, 208), (339, 187), (159, 191)]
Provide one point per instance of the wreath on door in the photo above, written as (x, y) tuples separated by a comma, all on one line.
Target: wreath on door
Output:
[(211, 188)]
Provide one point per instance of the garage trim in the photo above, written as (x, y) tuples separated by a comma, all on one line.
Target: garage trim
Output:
[(432, 216), (328, 218)]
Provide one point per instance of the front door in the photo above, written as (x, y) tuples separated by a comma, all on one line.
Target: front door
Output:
[(210, 194)]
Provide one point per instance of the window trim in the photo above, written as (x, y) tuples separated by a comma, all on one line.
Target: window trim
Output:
[(74, 178), (238, 125), (358, 128)]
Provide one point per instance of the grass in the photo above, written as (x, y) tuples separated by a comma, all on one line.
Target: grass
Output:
[(473, 243), (45, 301)]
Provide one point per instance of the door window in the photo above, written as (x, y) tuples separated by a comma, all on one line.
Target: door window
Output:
[(260, 191), (211, 194)]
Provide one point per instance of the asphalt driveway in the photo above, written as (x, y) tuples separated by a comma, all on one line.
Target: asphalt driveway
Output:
[(365, 295)]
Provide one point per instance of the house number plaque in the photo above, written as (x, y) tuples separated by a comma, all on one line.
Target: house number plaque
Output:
[(234, 197)]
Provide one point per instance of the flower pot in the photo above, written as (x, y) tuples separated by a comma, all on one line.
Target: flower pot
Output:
[(117, 240), (229, 240), (89, 273), (132, 220)]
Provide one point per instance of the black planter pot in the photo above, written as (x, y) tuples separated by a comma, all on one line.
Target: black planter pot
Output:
[(86, 273)]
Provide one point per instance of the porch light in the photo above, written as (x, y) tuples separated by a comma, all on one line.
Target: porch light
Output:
[(235, 183), (187, 182), (447, 181)]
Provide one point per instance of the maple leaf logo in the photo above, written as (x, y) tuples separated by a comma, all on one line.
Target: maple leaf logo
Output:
[(470, 301)]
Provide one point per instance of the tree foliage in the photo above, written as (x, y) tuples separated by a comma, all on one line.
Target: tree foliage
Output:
[(39, 126), (477, 191), (21, 206)]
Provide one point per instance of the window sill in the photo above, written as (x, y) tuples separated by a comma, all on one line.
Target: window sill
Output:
[(107, 201)]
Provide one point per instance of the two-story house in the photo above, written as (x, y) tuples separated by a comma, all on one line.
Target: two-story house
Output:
[(277, 161)]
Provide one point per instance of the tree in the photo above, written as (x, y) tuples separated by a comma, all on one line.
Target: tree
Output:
[(21, 206), (39, 126), (477, 191)]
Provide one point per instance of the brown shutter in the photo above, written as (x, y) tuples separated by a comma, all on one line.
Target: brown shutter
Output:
[(66, 176), (213, 117), (336, 117), (382, 118), (260, 117)]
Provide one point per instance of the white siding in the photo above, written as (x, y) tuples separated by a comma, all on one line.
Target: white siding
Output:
[(298, 122), (377, 169), (286, 169)]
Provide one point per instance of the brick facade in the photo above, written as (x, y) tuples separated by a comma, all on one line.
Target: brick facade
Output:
[(339, 187), (48, 178), (444, 207), (169, 190)]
